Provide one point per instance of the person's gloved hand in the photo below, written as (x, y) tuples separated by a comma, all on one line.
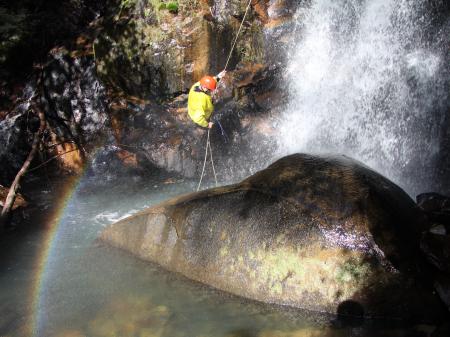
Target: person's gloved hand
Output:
[(221, 74)]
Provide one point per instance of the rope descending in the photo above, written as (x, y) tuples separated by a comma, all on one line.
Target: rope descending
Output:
[(237, 35), (208, 146)]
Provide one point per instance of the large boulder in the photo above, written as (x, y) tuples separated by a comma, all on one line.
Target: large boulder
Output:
[(322, 233)]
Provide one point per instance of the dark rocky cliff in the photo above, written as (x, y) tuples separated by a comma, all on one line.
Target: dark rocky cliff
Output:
[(121, 81)]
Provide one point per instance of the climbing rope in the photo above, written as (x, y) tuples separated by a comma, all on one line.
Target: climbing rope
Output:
[(212, 161), (237, 35), (208, 146)]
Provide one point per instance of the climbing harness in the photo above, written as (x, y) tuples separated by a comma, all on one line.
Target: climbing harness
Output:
[(237, 35), (208, 143), (208, 146)]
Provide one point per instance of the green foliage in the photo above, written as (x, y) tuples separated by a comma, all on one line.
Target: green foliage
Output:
[(128, 3), (147, 12), (172, 7)]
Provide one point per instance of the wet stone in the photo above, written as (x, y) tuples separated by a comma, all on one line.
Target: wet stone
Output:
[(308, 231)]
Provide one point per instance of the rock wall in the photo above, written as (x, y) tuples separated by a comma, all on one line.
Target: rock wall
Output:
[(14, 146), (76, 106), (151, 52), (76, 110)]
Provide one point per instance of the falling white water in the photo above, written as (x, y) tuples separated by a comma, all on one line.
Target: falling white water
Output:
[(365, 82)]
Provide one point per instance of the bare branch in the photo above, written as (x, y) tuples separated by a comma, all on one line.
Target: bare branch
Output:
[(4, 216)]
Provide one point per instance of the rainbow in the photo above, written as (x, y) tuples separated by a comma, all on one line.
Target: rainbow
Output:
[(42, 262)]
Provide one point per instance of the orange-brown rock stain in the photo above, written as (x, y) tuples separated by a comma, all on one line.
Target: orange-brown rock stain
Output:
[(67, 154)]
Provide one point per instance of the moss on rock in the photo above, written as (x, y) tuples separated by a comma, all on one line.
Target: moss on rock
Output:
[(311, 232)]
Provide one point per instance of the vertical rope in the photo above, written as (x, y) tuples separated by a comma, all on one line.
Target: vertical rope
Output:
[(237, 35), (212, 162), (204, 162)]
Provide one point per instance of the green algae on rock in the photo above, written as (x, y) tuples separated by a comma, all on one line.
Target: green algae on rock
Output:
[(312, 232)]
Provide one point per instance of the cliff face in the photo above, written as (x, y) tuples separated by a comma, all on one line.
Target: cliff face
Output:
[(123, 82), (148, 50)]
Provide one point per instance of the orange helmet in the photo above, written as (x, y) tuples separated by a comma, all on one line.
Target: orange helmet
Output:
[(208, 82)]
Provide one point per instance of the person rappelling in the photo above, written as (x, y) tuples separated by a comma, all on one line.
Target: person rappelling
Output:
[(200, 103), (200, 109)]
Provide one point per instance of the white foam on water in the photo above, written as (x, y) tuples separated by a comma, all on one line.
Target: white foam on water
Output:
[(108, 217)]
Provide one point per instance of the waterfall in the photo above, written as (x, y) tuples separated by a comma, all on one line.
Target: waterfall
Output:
[(370, 79)]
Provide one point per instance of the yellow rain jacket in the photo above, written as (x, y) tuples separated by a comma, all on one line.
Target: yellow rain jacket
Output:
[(200, 106)]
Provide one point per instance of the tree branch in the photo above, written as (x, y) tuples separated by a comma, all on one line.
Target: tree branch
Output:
[(9, 202)]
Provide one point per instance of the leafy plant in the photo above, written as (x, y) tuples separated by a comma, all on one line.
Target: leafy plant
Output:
[(127, 3), (147, 12), (172, 7)]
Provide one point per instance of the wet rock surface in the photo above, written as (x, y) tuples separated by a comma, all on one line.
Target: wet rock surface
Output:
[(437, 249), (152, 53), (437, 209), (311, 232), (74, 99), (435, 243), (123, 83), (75, 106), (14, 146), (163, 135)]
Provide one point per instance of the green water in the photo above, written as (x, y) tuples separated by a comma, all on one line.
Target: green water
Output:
[(89, 289)]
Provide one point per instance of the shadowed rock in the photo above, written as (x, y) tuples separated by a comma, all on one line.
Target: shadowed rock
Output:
[(310, 232)]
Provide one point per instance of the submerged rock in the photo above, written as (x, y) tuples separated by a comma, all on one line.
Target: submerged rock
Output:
[(313, 232), (130, 316)]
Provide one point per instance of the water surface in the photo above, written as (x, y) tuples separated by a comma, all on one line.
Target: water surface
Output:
[(86, 288)]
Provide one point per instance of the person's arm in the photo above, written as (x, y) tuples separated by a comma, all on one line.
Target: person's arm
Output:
[(199, 117), (201, 120), (219, 76)]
